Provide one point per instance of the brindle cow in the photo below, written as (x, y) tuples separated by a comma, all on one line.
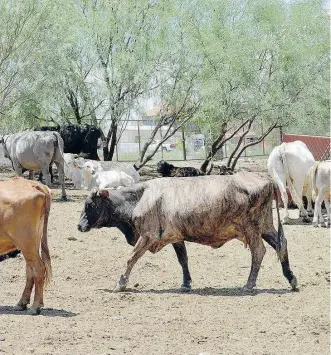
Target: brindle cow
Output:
[(24, 211), (169, 170), (209, 210)]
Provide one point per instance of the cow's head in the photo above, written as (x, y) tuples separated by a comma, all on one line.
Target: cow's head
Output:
[(164, 168), (97, 211), (3, 140)]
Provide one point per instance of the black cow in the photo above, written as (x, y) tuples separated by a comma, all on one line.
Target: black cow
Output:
[(169, 170), (78, 139)]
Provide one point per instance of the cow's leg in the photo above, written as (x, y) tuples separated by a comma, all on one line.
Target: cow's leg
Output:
[(139, 250), (60, 169), (327, 206), (51, 173), (298, 185), (318, 210), (310, 211), (25, 299), (258, 250), (45, 170), (17, 167), (38, 271), (181, 253), (270, 237)]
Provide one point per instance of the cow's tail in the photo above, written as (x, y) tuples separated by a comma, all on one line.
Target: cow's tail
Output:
[(297, 200), (57, 145), (45, 256), (312, 191), (281, 242)]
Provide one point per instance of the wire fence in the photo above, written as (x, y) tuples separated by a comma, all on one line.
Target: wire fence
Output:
[(191, 142)]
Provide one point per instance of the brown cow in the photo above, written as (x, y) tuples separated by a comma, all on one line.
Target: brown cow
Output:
[(24, 211), (209, 210)]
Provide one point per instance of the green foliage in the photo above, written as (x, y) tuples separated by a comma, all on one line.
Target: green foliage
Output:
[(97, 61)]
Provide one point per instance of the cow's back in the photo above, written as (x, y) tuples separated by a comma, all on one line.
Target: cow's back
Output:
[(298, 157), (205, 206), (23, 198)]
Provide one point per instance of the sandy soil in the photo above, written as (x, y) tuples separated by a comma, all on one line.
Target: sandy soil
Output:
[(83, 316)]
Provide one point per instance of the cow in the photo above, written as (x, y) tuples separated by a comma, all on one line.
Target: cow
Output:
[(92, 167), (106, 179), (289, 163), (73, 169), (319, 182), (24, 212), (222, 169), (169, 170), (36, 151), (209, 210), (81, 139)]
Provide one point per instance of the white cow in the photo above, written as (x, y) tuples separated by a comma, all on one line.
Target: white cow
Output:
[(107, 179), (90, 167), (289, 164), (73, 169), (319, 182), (36, 151)]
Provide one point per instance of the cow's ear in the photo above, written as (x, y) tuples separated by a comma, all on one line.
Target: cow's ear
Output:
[(104, 193), (94, 192)]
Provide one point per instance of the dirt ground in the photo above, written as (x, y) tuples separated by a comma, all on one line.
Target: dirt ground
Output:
[(83, 316)]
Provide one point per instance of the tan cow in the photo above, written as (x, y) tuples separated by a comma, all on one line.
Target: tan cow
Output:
[(24, 211), (319, 182)]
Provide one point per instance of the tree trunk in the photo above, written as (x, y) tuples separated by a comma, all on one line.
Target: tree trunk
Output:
[(111, 139)]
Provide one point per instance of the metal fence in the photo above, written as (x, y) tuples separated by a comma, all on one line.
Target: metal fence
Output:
[(191, 142), (318, 145)]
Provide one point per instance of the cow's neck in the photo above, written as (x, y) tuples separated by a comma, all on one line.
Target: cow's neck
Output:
[(127, 229), (125, 201)]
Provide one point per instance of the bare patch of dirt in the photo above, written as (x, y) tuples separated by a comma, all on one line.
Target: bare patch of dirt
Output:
[(83, 316)]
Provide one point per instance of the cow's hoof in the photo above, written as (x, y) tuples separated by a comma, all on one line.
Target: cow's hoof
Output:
[(33, 311), (119, 288), (64, 198), (294, 284), (248, 290), (20, 307), (185, 288)]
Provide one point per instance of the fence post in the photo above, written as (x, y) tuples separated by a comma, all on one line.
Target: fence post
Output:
[(138, 126), (116, 152), (183, 143)]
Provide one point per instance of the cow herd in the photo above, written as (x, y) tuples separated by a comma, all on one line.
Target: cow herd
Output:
[(185, 205)]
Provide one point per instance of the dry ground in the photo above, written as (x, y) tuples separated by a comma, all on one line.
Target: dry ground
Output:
[(83, 316)]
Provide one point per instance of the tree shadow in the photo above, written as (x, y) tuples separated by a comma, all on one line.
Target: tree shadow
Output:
[(208, 291), (47, 312)]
